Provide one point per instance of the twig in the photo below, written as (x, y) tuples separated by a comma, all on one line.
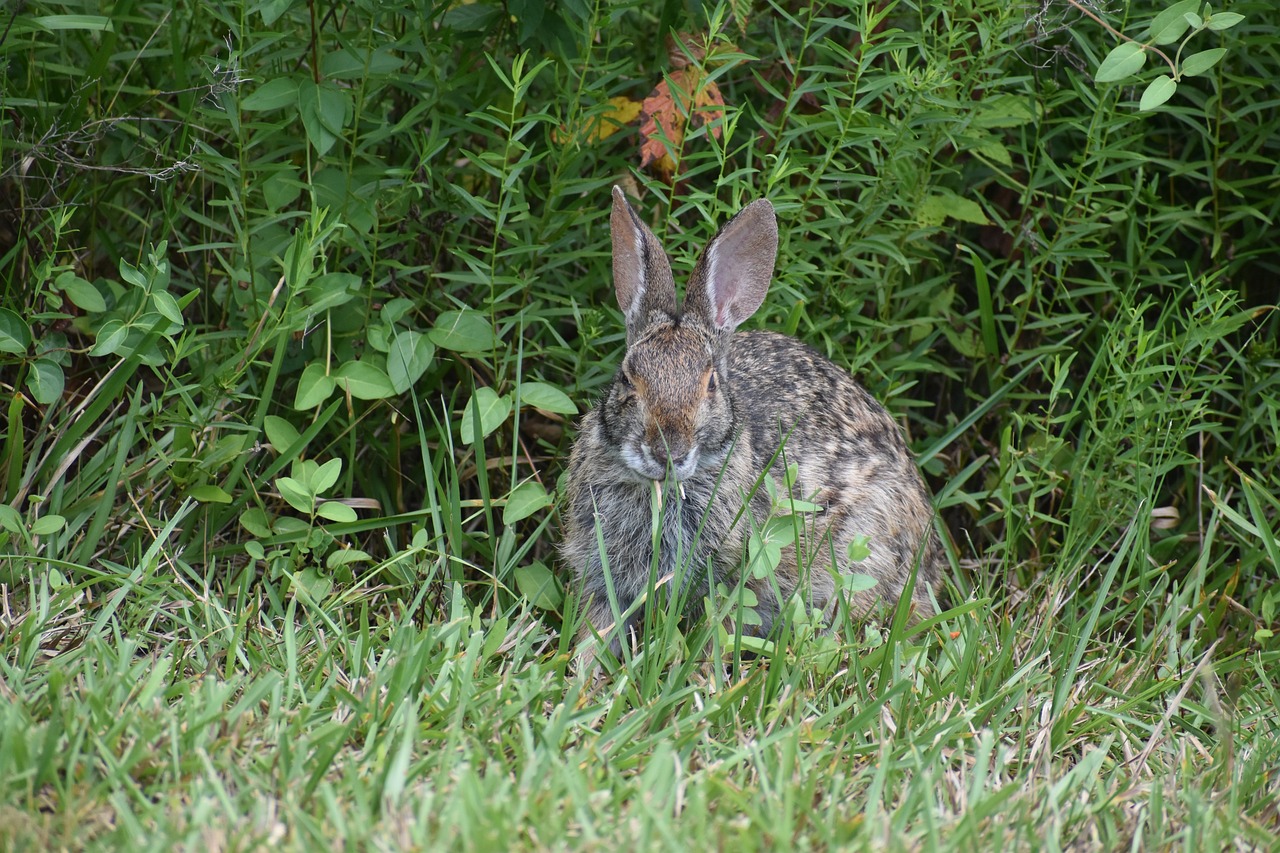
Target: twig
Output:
[(1089, 12)]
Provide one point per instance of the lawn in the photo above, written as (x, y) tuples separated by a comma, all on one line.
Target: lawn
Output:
[(301, 306)]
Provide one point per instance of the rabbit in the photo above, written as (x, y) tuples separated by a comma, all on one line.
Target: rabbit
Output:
[(697, 415)]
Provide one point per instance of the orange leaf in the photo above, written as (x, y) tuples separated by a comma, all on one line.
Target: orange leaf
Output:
[(686, 94), (660, 117)]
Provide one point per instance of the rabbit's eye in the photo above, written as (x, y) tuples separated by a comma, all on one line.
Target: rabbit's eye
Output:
[(711, 382), (624, 380)]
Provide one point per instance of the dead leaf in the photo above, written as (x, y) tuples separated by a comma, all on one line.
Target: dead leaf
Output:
[(686, 94), (660, 123), (622, 111)]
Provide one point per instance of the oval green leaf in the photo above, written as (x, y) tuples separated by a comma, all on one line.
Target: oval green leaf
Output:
[(295, 493), (408, 357), (111, 337), (493, 410), (318, 132), (364, 381), (337, 512), (14, 334), (538, 584), (325, 476), (332, 290), (347, 556), (1123, 61), (81, 293), (210, 494), (167, 306), (281, 434), (272, 95), (1198, 63), (1169, 25), (462, 331), (45, 381), (1158, 91), (256, 522), (524, 500), (46, 524), (314, 387), (1224, 20), (10, 520), (540, 395)]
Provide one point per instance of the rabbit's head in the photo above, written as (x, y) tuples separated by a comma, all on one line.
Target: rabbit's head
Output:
[(670, 404)]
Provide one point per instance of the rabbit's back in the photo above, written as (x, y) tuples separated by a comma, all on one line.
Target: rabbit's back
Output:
[(851, 456)]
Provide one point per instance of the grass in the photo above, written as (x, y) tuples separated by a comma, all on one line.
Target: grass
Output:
[(299, 307)]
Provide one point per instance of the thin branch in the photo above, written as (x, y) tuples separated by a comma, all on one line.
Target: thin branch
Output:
[(1089, 12)]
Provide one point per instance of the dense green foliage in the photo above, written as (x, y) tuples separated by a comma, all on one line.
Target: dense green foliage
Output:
[(257, 256)]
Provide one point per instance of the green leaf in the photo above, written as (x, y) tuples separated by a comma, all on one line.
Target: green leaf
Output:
[(538, 584), (395, 309), (859, 548), (1194, 20), (336, 511), (167, 306), (1123, 61), (1169, 25), (471, 17), (81, 293), (364, 381), (940, 206), (46, 524), (524, 500), (858, 583), (1158, 91), (10, 519), (296, 494), (462, 331), (347, 556), (312, 584), (271, 10), (272, 95), (540, 395), (324, 108), (408, 357), (256, 522), (493, 411), (209, 494), (314, 387), (1003, 111), (325, 476), (332, 107), (281, 189), (351, 64), (100, 23), (132, 274), (332, 290), (1224, 20), (14, 334), (1198, 63), (45, 381), (281, 434), (111, 337)]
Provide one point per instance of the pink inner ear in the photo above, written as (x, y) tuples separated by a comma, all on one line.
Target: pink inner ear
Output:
[(722, 315)]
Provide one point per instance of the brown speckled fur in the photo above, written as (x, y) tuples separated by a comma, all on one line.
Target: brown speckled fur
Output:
[(704, 410)]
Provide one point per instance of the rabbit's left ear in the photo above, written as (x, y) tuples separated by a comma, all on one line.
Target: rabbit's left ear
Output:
[(732, 276), (641, 272)]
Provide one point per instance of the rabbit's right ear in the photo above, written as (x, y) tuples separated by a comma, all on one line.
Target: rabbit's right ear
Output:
[(641, 272), (732, 276)]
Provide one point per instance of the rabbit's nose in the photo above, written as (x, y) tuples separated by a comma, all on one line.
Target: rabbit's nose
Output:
[(665, 458), (672, 461)]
